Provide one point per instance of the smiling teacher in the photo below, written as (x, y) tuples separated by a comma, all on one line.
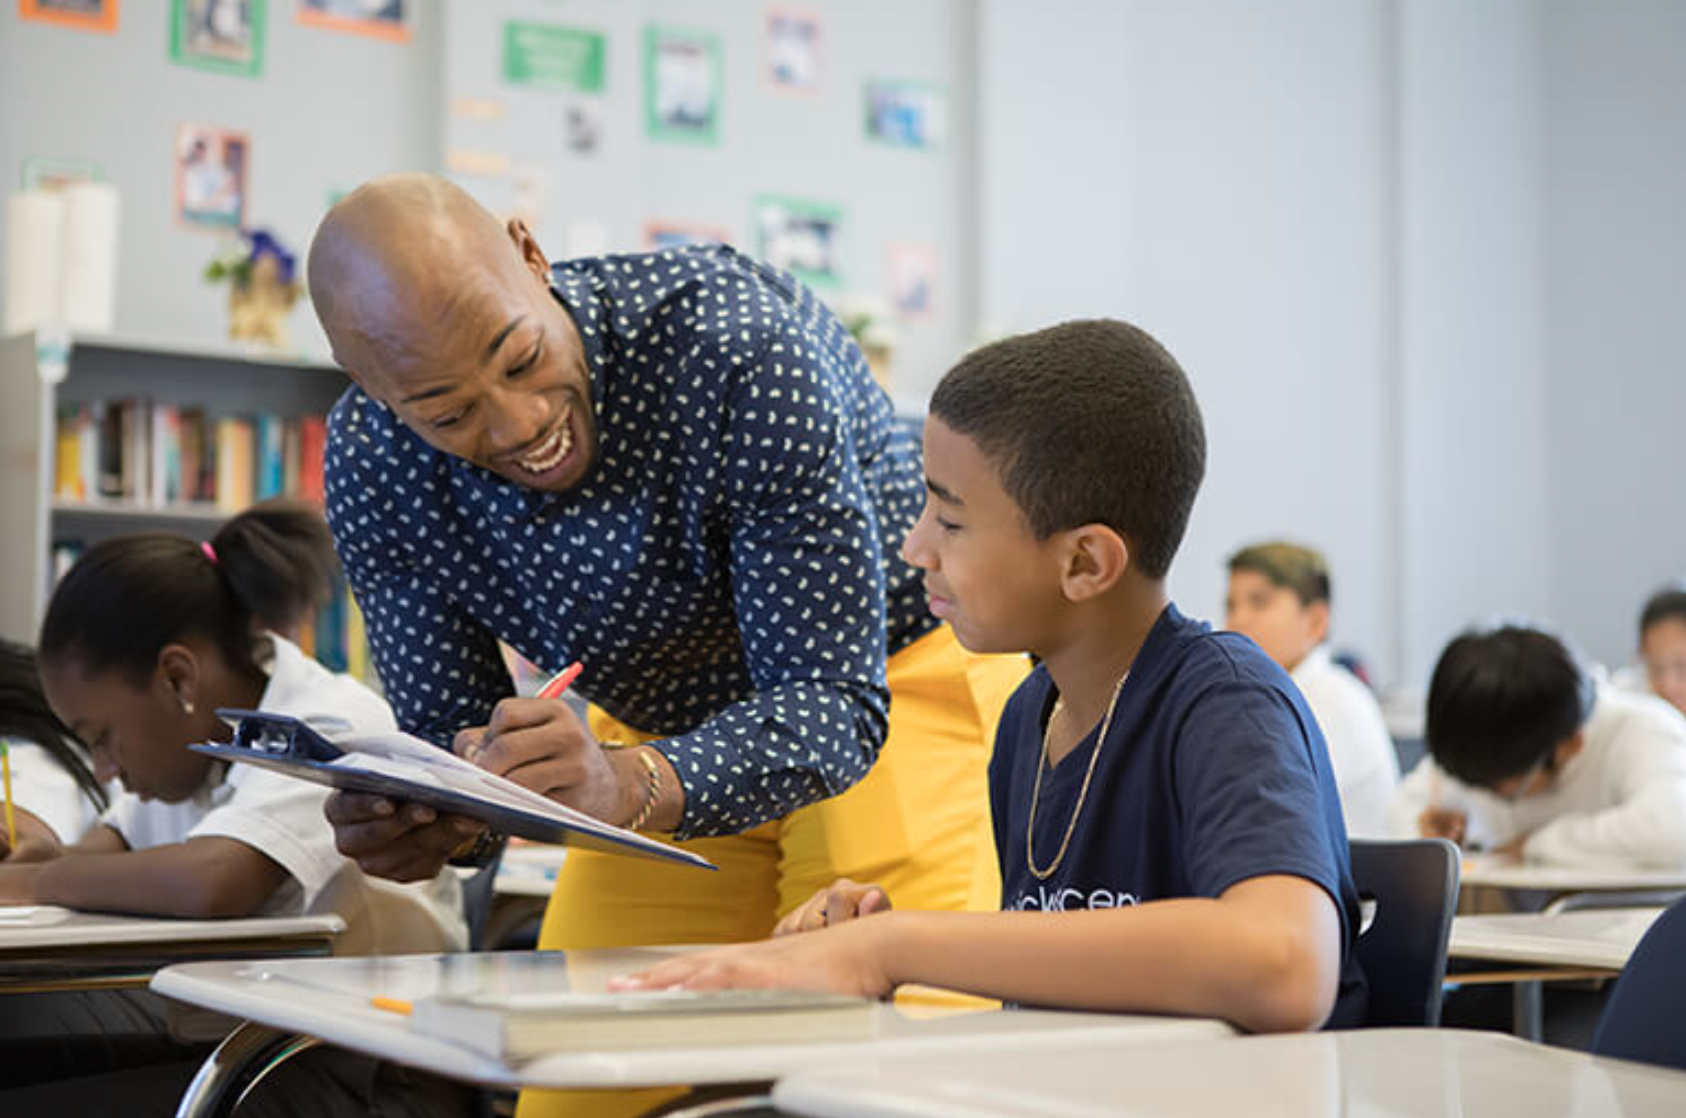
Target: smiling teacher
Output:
[(677, 469)]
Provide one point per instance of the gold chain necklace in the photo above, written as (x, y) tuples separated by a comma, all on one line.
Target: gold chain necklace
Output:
[(1082, 794)]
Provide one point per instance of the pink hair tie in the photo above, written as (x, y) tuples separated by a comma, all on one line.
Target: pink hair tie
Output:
[(210, 552)]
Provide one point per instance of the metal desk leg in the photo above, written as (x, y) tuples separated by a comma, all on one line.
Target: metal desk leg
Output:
[(243, 1058), (1528, 1010)]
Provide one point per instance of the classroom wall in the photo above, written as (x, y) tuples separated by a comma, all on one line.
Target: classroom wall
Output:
[(1471, 486), (809, 145), (1222, 174), (1614, 118), (1444, 239), (328, 110), (1421, 261)]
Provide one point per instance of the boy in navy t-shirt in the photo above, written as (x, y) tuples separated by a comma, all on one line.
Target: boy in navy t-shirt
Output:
[(1165, 814)]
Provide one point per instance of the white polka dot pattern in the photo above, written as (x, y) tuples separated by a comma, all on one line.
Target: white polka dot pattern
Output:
[(727, 573)]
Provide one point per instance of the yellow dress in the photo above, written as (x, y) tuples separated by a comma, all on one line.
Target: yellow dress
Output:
[(917, 824)]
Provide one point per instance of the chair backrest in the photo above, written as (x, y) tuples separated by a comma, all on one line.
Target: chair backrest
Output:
[(478, 889), (1642, 1018), (1413, 886)]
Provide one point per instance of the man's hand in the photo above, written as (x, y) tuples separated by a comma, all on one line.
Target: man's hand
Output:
[(1441, 822), (541, 744), (400, 842), (841, 901)]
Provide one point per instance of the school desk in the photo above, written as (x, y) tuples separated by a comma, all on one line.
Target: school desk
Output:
[(47, 948), (1362, 1073), (1534, 947), (1590, 942), (291, 1003), (1490, 872)]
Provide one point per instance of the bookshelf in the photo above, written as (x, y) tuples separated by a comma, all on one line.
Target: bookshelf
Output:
[(36, 520)]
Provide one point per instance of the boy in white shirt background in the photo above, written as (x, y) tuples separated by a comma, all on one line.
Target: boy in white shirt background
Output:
[(1529, 755), (1280, 595)]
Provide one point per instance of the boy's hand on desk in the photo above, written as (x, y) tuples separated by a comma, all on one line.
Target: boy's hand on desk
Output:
[(842, 900), (400, 842), (1441, 822), (846, 959), (541, 744)]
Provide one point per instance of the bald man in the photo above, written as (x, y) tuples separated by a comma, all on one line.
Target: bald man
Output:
[(675, 468)]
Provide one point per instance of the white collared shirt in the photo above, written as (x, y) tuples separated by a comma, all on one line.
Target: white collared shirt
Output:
[(1360, 748), (282, 818)]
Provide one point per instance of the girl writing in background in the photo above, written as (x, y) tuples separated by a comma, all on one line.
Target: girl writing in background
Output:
[(144, 639)]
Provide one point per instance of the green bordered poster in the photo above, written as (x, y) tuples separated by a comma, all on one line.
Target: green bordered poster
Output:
[(682, 85), (224, 36), (800, 236), (544, 56)]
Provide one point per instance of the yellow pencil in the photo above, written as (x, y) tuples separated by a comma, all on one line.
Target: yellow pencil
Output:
[(11, 816)]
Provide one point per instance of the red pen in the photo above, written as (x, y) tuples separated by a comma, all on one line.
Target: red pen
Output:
[(561, 681)]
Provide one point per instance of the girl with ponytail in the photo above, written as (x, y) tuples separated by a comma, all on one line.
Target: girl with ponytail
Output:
[(144, 639)]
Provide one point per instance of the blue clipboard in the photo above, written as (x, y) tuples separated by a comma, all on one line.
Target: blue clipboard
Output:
[(289, 746)]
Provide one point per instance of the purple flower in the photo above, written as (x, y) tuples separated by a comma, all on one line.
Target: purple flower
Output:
[(264, 244)]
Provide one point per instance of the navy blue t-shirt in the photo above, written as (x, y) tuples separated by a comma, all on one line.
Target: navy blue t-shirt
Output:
[(1213, 772)]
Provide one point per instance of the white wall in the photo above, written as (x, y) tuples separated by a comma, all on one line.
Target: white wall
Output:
[(1614, 117), (1422, 261), (1472, 495), (1221, 174)]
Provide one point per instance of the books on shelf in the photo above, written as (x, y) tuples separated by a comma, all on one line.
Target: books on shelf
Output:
[(154, 455), (517, 1027)]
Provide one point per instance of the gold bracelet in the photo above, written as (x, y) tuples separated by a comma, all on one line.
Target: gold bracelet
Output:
[(652, 795)]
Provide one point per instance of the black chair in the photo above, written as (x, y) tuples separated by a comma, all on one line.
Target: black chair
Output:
[(1409, 890), (477, 893), (1642, 1018)]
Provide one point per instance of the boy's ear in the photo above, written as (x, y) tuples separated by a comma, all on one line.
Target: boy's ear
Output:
[(178, 674), (1317, 616), (1096, 558), (1568, 748)]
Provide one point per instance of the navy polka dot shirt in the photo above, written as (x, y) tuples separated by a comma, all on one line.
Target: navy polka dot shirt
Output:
[(728, 573)]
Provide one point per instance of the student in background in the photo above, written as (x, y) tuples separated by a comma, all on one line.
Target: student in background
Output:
[(143, 640), (1165, 817), (1279, 594), (1662, 644), (55, 796), (1528, 755)]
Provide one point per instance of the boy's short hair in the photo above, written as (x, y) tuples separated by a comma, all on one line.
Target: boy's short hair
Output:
[(1501, 701), (1088, 422), (1667, 603), (1291, 566)]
